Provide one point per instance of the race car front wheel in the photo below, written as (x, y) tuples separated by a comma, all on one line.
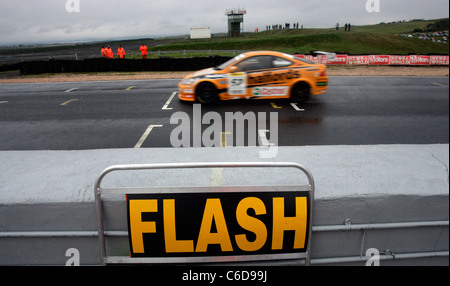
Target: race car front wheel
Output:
[(300, 92), (206, 93)]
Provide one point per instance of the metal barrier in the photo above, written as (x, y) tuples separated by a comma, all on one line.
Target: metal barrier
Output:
[(293, 191)]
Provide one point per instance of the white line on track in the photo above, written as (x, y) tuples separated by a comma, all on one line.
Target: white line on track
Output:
[(145, 135), (3, 102), (72, 89), (294, 105), (438, 84), (165, 107)]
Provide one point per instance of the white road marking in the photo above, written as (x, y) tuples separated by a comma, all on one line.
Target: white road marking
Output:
[(3, 102), (294, 105), (72, 89), (435, 83), (145, 135), (165, 107)]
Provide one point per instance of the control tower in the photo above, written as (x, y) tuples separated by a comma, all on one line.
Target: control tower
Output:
[(235, 21)]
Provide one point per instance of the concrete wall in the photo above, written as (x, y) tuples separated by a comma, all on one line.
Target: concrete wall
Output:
[(47, 198)]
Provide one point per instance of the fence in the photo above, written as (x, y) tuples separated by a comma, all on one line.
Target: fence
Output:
[(93, 54), (197, 63), (108, 65)]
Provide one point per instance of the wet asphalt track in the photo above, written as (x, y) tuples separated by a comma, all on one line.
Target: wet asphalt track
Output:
[(136, 114)]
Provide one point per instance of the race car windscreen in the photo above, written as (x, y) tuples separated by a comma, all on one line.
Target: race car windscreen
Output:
[(230, 62)]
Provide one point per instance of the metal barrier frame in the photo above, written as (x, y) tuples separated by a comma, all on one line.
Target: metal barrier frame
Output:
[(188, 260)]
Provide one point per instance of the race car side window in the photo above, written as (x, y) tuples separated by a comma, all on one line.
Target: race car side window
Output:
[(278, 62), (255, 63)]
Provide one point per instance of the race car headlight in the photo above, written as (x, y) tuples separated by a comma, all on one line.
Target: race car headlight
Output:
[(189, 81)]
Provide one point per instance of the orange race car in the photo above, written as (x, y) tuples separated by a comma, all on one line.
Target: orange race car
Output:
[(256, 75)]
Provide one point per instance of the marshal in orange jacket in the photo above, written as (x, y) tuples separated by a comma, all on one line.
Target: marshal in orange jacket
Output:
[(143, 49), (109, 53), (104, 52), (121, 52)]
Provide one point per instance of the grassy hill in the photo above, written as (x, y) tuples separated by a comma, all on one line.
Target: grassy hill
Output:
[(372, 39)]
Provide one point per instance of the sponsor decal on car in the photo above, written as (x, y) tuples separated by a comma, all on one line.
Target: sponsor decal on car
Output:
[(265, 77), (270, 91)]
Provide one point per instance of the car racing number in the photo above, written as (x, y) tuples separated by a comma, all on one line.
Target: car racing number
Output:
[(218, 224), (237, 83)]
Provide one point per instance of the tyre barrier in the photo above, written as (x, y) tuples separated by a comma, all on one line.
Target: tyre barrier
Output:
[(9, 67), (119, 65)]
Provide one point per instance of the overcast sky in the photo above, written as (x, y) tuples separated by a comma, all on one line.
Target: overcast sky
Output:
[(43, 21)]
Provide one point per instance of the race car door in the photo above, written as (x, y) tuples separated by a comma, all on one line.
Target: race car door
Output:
[(266, 76)]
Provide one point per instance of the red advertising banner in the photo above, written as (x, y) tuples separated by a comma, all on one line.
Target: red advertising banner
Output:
[(399, 60), (321, 59), (358, 60), (337, 60), (414, 60), (307, 57), (379, 60), (439, 60), (419, 60)]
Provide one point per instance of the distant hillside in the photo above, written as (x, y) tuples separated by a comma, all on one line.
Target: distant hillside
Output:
[(383, 38), (371, 39)]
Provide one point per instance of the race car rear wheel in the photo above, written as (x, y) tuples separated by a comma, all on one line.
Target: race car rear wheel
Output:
[(300, 92), (206, 93)]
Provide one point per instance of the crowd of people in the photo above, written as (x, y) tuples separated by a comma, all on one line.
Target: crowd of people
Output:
[(285, 26), (347, 27), (108, 53)]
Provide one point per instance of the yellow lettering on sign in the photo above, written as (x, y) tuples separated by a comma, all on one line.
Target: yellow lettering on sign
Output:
[(170, 236), (139, 227), (297, 223), (251, 224), (213, 212)]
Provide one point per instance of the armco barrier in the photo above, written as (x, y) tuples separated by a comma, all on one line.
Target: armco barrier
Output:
[(383, 60), (110, 65), (197, 63)]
